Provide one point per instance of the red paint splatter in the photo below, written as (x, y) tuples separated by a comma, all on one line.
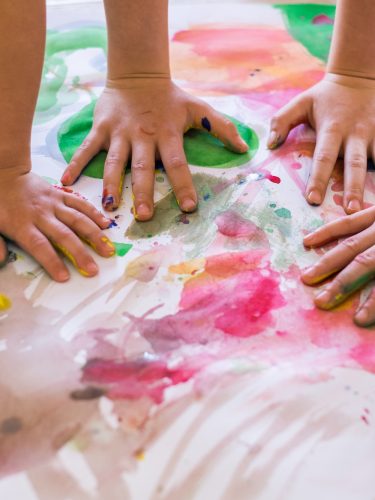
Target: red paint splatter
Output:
[(273, 178), (365, 419), (135, 379)]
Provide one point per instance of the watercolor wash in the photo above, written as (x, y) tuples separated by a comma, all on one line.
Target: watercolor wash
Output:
[(198, 315)]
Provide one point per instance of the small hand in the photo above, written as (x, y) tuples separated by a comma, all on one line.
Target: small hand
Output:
[(353, 259), (144, 120), (342, 112), (40, 218)]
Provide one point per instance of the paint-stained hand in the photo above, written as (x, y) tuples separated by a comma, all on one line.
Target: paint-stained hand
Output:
[(353, 259), (41, 219), (145, 120), (342, 112)]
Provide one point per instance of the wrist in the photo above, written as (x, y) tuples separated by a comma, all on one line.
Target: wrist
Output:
[(349, 79), (9, 171), (131, 80)]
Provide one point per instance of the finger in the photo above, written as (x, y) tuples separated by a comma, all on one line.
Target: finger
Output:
[(345, 226), (87, 150), (288, 117), (37, 245), (143, 173), (114, 171), (87, 230), (174, 160), (339, 257), (3, 252), (325, 156), (355, 174), (365, 315), (354, 277), (69, 245), (219, 126), (88, 209)]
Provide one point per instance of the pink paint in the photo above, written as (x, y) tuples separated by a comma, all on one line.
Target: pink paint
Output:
[(322, 19), (135, 379), (273, 178), (233, 225)]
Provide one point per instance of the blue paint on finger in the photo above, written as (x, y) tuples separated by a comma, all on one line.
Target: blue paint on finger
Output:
[(206, 124)]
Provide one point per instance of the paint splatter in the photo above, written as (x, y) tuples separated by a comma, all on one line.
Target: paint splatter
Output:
[(284, 213), (232, 224), (122, 248), (5, 302), (206, 124)]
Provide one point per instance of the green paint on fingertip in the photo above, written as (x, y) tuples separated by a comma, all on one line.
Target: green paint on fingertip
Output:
[(122, 248), (357, 284), (284, 213)]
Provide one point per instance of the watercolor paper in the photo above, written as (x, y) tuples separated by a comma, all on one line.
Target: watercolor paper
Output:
[(194, 365)]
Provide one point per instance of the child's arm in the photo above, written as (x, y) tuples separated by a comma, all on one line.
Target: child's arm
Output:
[(341, 108), (142, 114), (32, 213)]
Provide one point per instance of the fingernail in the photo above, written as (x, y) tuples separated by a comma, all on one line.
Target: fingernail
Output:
[(188, 205), (362, 315), (92, 268), (324, 297), (63, 276), (314, 197), (66, 178), (274, 140), (142, 211), (308, 239), (108, 201), (354, 206), (243, 147)]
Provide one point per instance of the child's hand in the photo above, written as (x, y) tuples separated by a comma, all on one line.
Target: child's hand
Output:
[(38, 217), (342, 111), (146, 119), (353, 259)]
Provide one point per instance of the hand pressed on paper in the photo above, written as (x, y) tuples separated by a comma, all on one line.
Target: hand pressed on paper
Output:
[(353, 259), (341, 110), (145, 119), (40, 218)]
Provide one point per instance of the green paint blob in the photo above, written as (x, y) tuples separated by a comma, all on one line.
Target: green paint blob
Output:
[(122, 248), (284, 213), (357, 284), (309, 24), (55, 91), (201, 148)]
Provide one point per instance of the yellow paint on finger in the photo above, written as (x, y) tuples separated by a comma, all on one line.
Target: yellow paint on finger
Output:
[(322, 277), (70, 257), (5, 302)]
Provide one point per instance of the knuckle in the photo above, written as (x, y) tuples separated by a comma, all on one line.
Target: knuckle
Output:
[(366, 260), (357, 161), (333, 128), (323, 157), (352, 245), (113, 160), (37, 242), (176, 163), (360, 130), (276, 121), (140, 165)]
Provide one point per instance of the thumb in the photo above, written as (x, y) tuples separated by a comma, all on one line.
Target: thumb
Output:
[(286, 119), (3, 252)]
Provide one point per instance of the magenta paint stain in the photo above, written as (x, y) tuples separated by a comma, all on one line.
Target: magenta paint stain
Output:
[(233, 225), (137, 378), (322, 19)]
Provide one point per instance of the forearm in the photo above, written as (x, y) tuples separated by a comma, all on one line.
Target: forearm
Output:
[(353, 44), (137, 39), (22, 39)]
